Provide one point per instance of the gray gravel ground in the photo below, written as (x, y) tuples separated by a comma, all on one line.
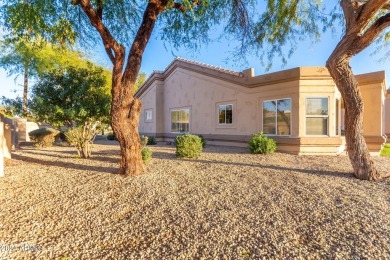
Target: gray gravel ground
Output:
[(227, 204)]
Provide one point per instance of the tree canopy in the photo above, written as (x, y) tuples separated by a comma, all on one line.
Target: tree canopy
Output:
[(72, 95)]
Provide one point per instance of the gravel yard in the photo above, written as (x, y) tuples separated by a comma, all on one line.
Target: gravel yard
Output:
[(226, 204)]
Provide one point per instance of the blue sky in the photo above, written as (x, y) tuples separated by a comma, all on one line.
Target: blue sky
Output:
[(158, 57)]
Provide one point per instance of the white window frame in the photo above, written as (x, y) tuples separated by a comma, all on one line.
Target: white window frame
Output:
[(276, 117), (337, 109), (317, 116), (146, 111), (226, 104), (189, 119)]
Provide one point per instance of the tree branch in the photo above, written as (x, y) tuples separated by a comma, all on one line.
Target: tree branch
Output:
[(109, 51), (99, 9), (349, 13), (153, 9), (367, 10), (184, 8), (110, 44), (373, 32)]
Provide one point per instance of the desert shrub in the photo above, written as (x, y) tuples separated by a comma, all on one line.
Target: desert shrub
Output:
[(152, 140), (43, 137), (143, 140), (111, 137), (146, 154), (188, 146), (262, 144), (203, 141), (82, 138)]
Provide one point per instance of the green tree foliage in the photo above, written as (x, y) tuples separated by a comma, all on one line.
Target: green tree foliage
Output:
[(70, 95), (32, 58), (12, 107), (141, 78)]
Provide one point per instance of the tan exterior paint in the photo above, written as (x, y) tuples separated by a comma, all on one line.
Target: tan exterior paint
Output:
[(1, 150), (387, 115), (202, 88)]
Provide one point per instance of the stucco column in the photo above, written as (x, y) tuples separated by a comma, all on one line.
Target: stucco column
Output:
[(1, 150)]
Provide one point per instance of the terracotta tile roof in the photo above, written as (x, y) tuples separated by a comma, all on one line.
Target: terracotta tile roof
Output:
[(204, 65), (216, 68)]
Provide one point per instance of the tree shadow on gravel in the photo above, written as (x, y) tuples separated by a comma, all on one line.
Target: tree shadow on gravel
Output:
[(162, 155), (66, 165), (72, 153)]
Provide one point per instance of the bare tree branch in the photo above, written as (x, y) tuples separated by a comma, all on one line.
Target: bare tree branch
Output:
[(100, 9), (349, 13), (152, 10), (373, 32), (110, 44), (369, 9)]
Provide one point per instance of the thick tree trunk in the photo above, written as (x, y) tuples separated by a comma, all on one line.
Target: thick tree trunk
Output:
[(25, 90), (125, 123), (125, 109), (339, 69)]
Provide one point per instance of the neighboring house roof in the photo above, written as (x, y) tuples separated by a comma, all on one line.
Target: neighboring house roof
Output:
[(247, 78)]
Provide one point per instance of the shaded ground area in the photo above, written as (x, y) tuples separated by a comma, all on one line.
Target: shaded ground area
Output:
[(226, 204)]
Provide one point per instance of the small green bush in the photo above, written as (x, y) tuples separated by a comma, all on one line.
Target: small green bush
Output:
[(261, 144), (152, 140), (43, 137), (203, 141), (111, 137), (188, 146), (146, 154), (143, 140)]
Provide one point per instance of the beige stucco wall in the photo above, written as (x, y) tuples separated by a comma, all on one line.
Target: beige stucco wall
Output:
[(1, 150), (148, 103), (202, 95), (6, 136), (387, 116), (30, 126), (373, 100), (202, 90)]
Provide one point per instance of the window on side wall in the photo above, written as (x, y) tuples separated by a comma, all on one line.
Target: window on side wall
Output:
[(180, 120), (277, 117), (225, 113), (317, 116), (148, 115)]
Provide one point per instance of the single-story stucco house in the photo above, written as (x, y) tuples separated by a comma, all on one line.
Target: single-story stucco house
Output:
[(387, 114), (300, 108)]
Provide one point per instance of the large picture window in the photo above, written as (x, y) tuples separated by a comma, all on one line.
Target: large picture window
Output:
[(317, 116), (180, 120), (225, 114), (277, 117)]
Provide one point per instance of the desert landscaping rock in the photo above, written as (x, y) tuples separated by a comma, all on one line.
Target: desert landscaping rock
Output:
[(227, 204)]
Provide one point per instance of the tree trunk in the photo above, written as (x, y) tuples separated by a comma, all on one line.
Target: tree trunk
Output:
[(339, 69), (125, 123), (25, 90)]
